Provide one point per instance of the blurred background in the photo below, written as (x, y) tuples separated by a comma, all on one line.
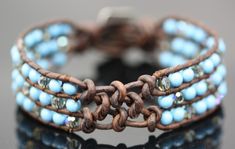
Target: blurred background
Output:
[(16, 16)]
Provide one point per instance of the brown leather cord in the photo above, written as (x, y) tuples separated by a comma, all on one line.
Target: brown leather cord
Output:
[(112, 99)]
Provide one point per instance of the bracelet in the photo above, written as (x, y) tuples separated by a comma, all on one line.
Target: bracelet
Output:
[(31, 133), (189, 86)]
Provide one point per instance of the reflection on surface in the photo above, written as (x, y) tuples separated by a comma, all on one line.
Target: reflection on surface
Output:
[(200, 135)]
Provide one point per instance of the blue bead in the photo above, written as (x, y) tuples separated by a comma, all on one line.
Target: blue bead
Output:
[(200, 107), (25, 70), (176, 79), (43, 63), (189, 93), (14, 74), (178, 114), (55, 86), (19, 81), (201, 88), (20, 98), (188, 75), (45, 99), (166, 118), (59, 29), (165, 58), (215, 58), (59, 59), (15, 55), (210, 102), (210, 42), (177, 60), (221, 69), (28, 105), (200, 35), (34, 76), (190, 30), (207, 66), (169, 26), (177, 44), (190, 49), (46, 115), (33, 38), (166, 102), (59, 119), (222, 46), (216, 78), (34, 93), (72, 105), (30, 55), (223, 88), (47, 48), (69, 88)]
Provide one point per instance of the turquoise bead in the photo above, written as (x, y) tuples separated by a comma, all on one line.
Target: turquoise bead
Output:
[(178, 114), (28, 105), (72, 105), (210, 42), (166, 102), (221, 69), (69, 88), (14, 74), (34, 93), (189, 49), (215, 58), (188, 75), (200, 107), (55, 86), (189, 93), (207, 66), (33, 38), (20, 98), (223, 88), (25, 69), (177, 60), (59, 59), (45, 99), (176, 79), (210, 102), (15, 55), (59, 119), (46, 115), (199, 35), (47, 48), (216, 78), (19, 81), (201, 88), (34, 76), (190, 30), (165, 58), (169, 26), (56, 30), (177, 44), (30, 55), (222, 46), (166, 118), (43, 63)]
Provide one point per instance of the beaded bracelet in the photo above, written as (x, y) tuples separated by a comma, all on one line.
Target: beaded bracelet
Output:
[(189, 86)]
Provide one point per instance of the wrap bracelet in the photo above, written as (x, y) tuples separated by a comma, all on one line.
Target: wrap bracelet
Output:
[(189, 87)]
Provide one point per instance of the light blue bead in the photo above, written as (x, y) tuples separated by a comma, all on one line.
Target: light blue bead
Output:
[(166, 118), (45, 99), (166, 102), (177, 60), (13, 87), (47, 48), (222, 46), (216, 78), (215, 58), (188, 75), (200, 107), (210, 102), (207, 66), (201, 88), (221, 69), (165, 58), (55, 85), (30, 55), (46, 115), (178, 114), (19, 81), (190, 30), (20, 98), (69, 88), (200, 35), (33, 38), (28, 105), (34, 76), (210, 42), (59, 29), (34, 93), (177, 44), (43, 63), (223, 88), (169, 26), (15, 55), (176, 79), (189, 93), (14, 74), (25, 69), (59, 119), (72, 105), (59, 59), (190, 49)]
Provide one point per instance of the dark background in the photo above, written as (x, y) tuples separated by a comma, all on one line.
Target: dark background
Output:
[(16, 16)]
